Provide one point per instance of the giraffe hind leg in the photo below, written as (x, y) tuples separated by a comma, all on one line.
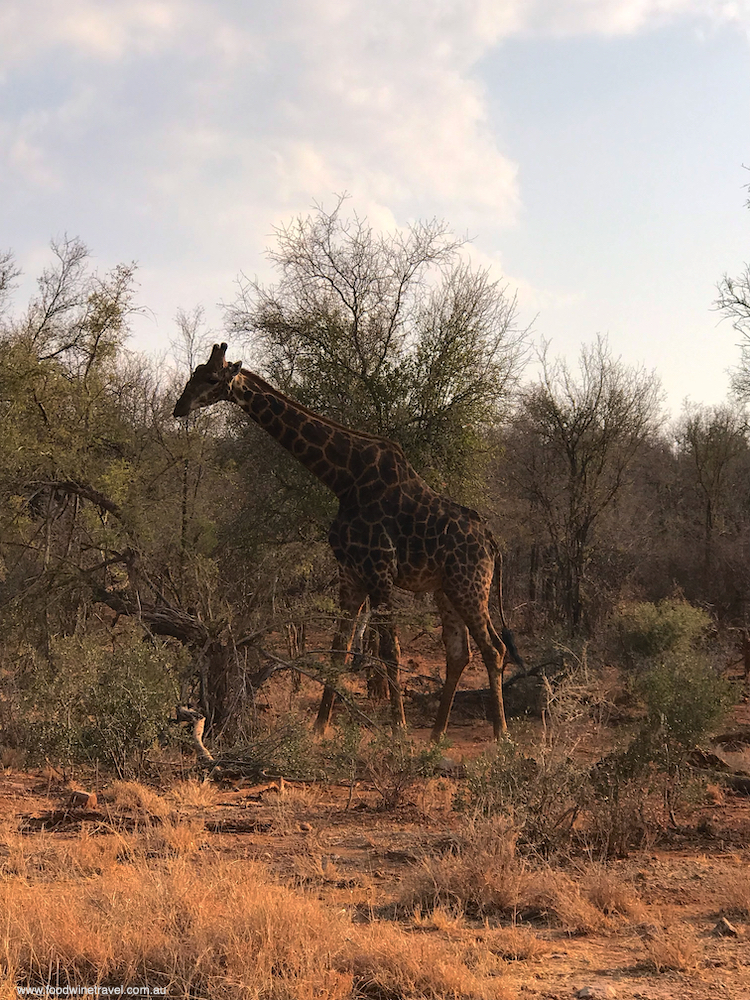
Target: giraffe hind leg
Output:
[(473, 608), (456, 641), (390, 656)]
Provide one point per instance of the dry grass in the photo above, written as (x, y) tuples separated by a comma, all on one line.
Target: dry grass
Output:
[(172, 838), (672, 950), (516, 944), (734, 893), (312, 866), (198, 930), (556, 897), (291, 803), (46, 858), (192, 794), (486, 878), (610, 895), (133, 797), (483, 876), (512, 944), (388, 962), (127, 910)]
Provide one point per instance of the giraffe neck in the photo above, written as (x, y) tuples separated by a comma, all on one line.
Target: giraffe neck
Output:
[(340, 458)]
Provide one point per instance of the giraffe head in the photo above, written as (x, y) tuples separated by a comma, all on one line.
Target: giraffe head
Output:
[(209, 383)]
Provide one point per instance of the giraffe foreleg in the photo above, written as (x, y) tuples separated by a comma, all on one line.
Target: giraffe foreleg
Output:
[(351, 599), (390, 657)]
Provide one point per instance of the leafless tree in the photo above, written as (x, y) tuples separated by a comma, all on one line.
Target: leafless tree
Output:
[(390, 333), (574, 440), (714, 439)]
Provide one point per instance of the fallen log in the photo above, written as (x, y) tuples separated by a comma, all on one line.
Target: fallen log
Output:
[(708, 762)]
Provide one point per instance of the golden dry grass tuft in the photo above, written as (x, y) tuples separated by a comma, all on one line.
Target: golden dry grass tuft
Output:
[(671, 950), (388, 962), (134, 797), (290, 803), (611, 895), (516, 944), (556, 897), (482, 877), (486, 878), (512, 944), (192, 794), (734, 893), (45, 857), (440, 919), (172, 838), (197, 930)]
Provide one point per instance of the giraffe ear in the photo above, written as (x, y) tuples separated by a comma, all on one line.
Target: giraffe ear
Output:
[(233, 369)]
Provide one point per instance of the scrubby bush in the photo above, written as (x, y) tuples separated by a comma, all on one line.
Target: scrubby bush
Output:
[(391, 762), (648, 632), (285, 750), (556, 800), (684, 699), (92, 702), (540, 796), (394, 764)]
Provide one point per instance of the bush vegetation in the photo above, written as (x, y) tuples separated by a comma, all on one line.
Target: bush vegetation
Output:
[(145, 562)]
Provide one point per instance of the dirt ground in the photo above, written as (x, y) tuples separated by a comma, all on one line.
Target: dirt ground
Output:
[(334, 843)]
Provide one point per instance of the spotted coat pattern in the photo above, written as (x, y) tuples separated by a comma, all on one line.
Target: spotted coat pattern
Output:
[(392, 530)]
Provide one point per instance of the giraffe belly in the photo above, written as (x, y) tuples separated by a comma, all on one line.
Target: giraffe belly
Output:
[(418, 579), (417, 569)]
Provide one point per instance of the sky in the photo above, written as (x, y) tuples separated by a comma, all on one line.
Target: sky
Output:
[(593, 151)]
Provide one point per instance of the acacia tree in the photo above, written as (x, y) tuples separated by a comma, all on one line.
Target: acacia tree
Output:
[(389, 333), (571, 445), (104, 499)]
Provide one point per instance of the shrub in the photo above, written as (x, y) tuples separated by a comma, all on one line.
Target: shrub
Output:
[(554, 799), (395, 764), (647, 632), (540, 796), (684, 700), (286, 751), (96, 703), (391, 762)]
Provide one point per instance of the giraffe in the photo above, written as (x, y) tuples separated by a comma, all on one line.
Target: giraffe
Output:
[(391, 531)]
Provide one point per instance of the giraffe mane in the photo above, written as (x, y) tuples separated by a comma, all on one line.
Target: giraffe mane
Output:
[(323, 419)]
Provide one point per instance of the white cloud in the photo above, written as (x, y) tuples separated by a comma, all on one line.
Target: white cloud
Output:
[(199, 124), (620, 17), (374, 98), (28, 159), (102, 31)]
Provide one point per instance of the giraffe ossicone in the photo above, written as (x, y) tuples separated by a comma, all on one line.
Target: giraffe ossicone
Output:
[(392, 531)]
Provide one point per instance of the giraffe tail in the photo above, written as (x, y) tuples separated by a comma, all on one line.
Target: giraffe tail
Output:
[(510, 644), (505, 633)]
